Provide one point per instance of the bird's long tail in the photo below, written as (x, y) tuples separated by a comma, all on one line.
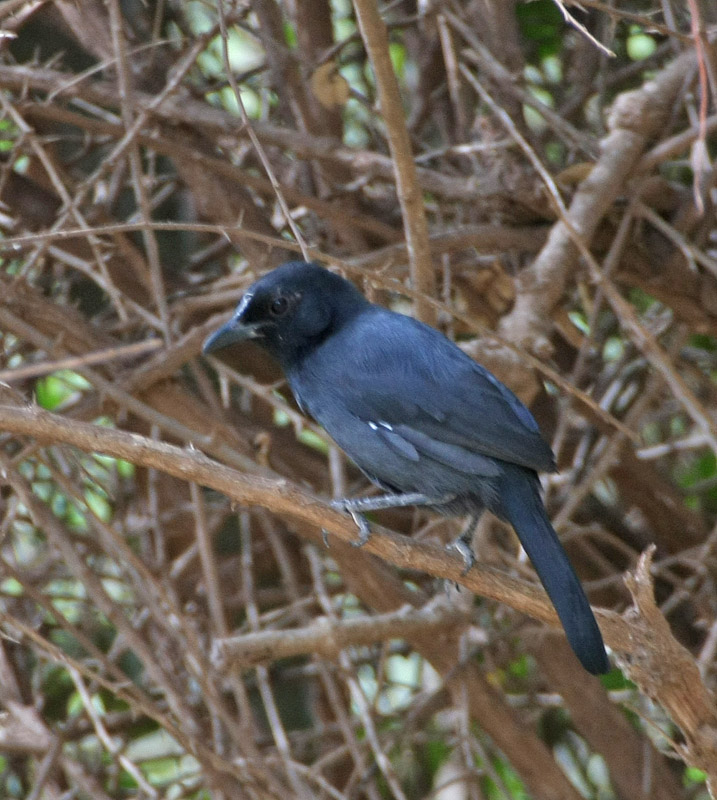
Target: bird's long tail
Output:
[(523, 508)]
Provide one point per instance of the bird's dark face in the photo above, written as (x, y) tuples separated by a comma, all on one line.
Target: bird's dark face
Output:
[(289, 310)]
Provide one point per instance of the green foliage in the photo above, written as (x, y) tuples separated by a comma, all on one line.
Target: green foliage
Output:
[(508, 778), (68, 643), (697, 475), (614, 348), (642, 301), (639, 45), (398, 58), (311, 439), (615, 681), (64, 386), (693, 775), (131, 665), (542, 25), (435, 753), (8, 135), (522, 667), (98, 503), (580, 321), (290, 35), (306, 435), (57, 689), (11, 587)]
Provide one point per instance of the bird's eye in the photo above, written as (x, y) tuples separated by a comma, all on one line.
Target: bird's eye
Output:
[(279, 307)]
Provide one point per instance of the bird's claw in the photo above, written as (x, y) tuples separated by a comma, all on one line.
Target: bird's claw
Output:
[(466, 554), (364, 530), (359, 519)]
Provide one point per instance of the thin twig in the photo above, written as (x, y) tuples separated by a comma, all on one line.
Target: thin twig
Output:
[(77, 362), (248, 126), (410, 196)]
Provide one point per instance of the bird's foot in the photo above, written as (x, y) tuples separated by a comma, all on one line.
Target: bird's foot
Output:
[(356, 505), (466, 553), (361, 522), (463, 544), (364, 530)]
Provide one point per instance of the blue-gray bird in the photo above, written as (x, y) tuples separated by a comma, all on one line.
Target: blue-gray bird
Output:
[(421, 419)]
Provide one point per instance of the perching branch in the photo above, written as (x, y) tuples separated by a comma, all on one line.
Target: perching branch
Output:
[(281, 497)]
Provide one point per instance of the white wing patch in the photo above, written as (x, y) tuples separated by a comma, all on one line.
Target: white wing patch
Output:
[(397, 443), (376, 425)]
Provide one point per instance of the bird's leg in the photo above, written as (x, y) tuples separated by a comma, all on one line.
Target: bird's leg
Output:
[(463, 543), (381, 501), (357, 505)]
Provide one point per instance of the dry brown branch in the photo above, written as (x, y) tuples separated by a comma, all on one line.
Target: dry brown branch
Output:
[(375, 37), (668, 672), (284, 498), (329, 637), (634, 121), (77, 362)]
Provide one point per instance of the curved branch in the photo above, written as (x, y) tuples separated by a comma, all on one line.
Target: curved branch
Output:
[(286, 498)]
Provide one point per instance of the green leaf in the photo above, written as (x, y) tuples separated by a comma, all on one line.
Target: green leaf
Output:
[(435, 753), (62, 386), (580, 321), (11, 587), (125, 469), (541, 23), (398, 58), (290, 35), (311, 439), (98, 504), (694, 775), (640, 45)]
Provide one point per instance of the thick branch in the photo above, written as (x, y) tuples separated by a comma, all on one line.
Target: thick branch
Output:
[(283, 497), (666, 671), (636, 118)]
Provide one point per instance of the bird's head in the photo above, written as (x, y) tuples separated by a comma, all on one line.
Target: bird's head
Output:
[(289, 310)]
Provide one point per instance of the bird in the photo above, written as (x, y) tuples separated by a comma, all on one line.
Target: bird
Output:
[(422, 420)]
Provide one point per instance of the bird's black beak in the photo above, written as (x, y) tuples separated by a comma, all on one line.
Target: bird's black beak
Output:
[(233, 332)]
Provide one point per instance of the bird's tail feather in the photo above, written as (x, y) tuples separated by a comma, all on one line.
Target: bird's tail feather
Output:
[(526, 513)]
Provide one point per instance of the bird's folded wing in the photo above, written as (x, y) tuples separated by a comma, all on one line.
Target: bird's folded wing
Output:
[(441, 403)]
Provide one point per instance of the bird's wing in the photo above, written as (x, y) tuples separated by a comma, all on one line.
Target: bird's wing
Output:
[(424, 395)]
